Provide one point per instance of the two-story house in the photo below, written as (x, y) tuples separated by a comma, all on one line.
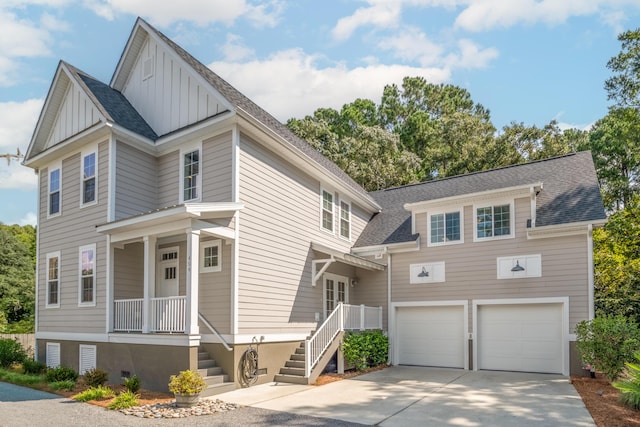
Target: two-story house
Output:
[(179, 223)]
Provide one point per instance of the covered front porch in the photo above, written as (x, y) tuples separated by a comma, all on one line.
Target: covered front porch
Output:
[(158, 261)]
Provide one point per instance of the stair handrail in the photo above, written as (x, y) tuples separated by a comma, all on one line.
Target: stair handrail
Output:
[(214, 330), (310, 359)]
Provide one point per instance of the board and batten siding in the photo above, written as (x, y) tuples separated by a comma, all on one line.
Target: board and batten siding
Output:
[(76, 113), (136, 189), (277, 226), (168, 95), (470, 267), (75, 227)]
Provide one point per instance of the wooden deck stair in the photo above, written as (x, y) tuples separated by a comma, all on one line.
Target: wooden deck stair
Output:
[(217, 381)]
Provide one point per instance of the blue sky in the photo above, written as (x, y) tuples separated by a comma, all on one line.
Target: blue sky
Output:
[(528, 61)]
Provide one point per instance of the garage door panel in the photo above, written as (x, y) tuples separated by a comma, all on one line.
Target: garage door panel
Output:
[(520, 337), (431, 336)]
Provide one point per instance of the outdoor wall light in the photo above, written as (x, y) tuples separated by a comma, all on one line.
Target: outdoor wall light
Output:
[(423, 273), (517, 267)]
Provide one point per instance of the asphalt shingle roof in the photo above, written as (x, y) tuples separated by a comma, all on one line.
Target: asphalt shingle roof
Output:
[(570, 194)]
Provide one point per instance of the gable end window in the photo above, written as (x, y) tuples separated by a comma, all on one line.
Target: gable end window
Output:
[(494, 221), (87, 275), (191, 178), (327, 211), (445, 228), (53, 280), (210, 256), (54, 192), (345, 220), (88, 178)]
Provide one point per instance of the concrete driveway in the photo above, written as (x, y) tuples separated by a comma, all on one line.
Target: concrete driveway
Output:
[(403, 396)]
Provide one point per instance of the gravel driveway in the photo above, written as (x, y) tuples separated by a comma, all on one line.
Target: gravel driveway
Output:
[(21, 407)]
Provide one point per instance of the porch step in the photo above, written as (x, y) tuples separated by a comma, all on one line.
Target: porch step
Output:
[(215, 378), (298, 372), (291, 379), (294, 364), (294, 368), (297, 356)]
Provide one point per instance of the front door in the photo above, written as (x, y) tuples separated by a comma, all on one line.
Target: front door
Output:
[(336, 289), (167, 276)]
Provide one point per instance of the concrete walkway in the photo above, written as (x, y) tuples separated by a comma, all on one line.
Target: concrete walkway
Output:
[(406, 396)]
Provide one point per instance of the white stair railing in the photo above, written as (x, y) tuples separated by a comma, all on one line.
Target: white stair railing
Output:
[(127, 315)]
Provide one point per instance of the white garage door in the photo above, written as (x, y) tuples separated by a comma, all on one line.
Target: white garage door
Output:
[(520, 337), (431, 336)]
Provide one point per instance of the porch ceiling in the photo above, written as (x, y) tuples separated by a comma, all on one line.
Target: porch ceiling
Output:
[(167, 221), (347, 258)]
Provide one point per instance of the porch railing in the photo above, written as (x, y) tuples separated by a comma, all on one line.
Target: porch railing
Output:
[(343, 317), (168, 314)]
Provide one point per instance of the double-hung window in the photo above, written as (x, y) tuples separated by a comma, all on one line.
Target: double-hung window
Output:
[(87, 274), (53, 280), (88, 178), (210, 256), (54, 191), (445, 227), (190, 175), (494, 221), (345, 220), (326, 220)]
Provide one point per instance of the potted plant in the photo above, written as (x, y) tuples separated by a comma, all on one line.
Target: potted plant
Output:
[(186, 387)]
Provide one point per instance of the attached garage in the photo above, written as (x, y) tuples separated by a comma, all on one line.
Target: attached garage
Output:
[(431, 336), (520, 337)]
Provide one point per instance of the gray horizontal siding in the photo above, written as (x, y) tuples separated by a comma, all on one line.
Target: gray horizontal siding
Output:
[(136, 182), (128, 275), (75, 227), (216, 169), (169, 179)]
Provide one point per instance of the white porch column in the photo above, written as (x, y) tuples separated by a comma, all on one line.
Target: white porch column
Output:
[(149, 281), (193, 276)]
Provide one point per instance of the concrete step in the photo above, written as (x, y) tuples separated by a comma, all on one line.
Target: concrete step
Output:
[(207, 372), (203, 355), (300, 350), (206, 363), (294, 364), (214, 389), (216, 379), (297, 357), (292, 379), (298, 372)]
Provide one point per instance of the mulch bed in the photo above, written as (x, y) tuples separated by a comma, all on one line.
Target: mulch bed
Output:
[(603, 402)]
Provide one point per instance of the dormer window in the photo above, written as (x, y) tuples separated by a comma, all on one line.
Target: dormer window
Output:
[(445, 227), (494, 221)]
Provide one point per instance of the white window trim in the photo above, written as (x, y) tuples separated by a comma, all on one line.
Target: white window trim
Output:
[(336, 278), (52, 168), (95, 262), (208, 244), (82, 348), (83, 154), (441, 212), (52, 345), (333, 211), (184, 151), (493, 203), (348, 203), (46, 299)]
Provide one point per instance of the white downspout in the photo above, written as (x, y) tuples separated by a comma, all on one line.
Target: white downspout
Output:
[(390, 323), (591, 272)]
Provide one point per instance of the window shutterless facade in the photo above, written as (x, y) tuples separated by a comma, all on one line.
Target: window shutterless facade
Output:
[(54, 191), (326, 218), (210, 256), (53, 280), (89, 162), (87, 275), (445, 227), (345, 220), (191, 179), (494, 221)]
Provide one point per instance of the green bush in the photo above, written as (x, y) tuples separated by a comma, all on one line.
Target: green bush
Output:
[(365, 349), (94, 393), (630, 386), (62, 385), (187, 382), (126, 399), (11, 352), (95, 377), (607, 343), (31, 366), (61, 373), (19, 379), (132, 384)]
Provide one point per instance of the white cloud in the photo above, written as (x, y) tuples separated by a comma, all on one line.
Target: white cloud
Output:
[(30, 218), (471, 56), (235, 50), (200, 12), (380, 14), (290, 84), (21, 37), (17, 121)]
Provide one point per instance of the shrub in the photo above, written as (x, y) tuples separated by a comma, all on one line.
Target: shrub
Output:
[(30, 366), (630, 386), (607, 343), (187, 382), (62, 385), (11, 352), (365, 349), (132, 384), (95, 377), (19, 379), (126, 399), (94, 393), (61, 373)]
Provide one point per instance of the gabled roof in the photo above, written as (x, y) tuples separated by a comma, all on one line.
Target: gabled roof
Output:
[(570, 194)]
